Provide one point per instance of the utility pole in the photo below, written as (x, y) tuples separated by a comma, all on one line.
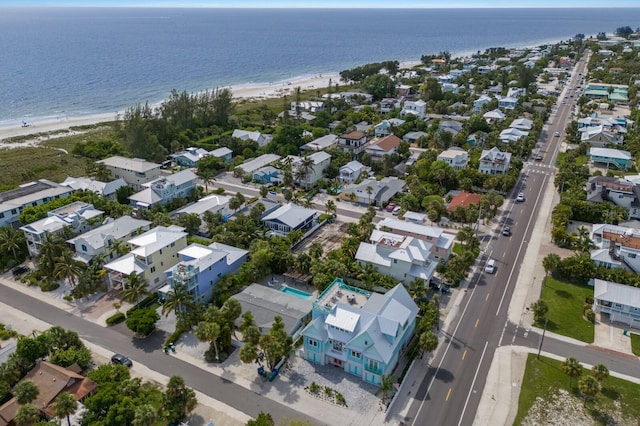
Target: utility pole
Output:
[(542, 338)]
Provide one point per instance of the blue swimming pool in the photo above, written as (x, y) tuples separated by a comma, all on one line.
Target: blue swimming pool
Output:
[(295, 292)]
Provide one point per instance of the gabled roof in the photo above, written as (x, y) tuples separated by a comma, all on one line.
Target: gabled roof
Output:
[(616, 293), (220, 152), (155, 239), (209, 202), (126, 265), (386, 143), (610, 153), (494, 155), (290, 214), (134, 164), (464, 199), (118, 229), (353, 135), (89, 184), (354, 166)]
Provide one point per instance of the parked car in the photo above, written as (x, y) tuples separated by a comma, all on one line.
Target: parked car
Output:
[(396, 210), (390, 206), (121, 359), (490, 267), (556, 134), (20, 270), (520, 198), (506, 231), (538, 157)]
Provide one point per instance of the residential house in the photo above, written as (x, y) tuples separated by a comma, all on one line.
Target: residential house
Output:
[(353, 142), (614, 158), (254, 136), (309, 106), (351, 171), (163, 190), (621, 302), (364, 127), (266, 175), (189, 157), (104, 189), (486, 69), (450, 87), (135, 171), (400, 257), (105, 239), (456, 157), (494, 116), (619, 191), (478, 104), (412, 137), (388, 104), (152, 253), (321, 143), (386, 145), (521, 123), (201, 267), (441, 242), (494, 162), (77, 216), (507, 103), (30, 194), (223, 153), (290, 217), (51, 380), (600, 137), (415, 217), (451, 126), (616, 246), (464, 200), (385, 127), (417, 108), (616, 93), (511, 134), (516, 92), (211, 203), (308, 176), (361, 332), (372, 191), (253, 164)]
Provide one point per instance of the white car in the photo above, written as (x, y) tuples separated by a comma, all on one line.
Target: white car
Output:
[(557, 134), (490, 267), (520, 197)]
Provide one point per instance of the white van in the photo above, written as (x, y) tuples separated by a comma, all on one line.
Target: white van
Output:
[(490, 267)]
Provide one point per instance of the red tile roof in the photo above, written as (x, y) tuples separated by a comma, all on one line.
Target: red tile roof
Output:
[(464, 199)]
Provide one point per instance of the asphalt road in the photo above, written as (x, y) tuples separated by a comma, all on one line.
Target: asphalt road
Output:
[(149, 353), (451, 390)]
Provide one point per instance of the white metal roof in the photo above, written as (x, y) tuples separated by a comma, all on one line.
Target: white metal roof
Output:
[(343, 319)]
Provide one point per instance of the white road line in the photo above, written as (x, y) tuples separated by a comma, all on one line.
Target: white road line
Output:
[(475, 376), (513, 267), (503, 330)]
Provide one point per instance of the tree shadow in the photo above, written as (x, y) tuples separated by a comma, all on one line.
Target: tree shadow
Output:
[(564, 294), (611, 393), (445, 376), (153, 342)]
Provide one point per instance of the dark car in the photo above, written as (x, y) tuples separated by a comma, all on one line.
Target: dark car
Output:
[(506, 231), (121, 359), (20, 270)]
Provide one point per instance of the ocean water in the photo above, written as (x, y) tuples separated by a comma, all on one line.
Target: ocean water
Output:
[(57, 62)]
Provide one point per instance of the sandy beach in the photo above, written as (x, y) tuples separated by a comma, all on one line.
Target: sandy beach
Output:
[(246, 91)]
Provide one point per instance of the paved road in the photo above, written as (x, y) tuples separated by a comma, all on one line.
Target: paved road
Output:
[(149, 353), (450, 392)]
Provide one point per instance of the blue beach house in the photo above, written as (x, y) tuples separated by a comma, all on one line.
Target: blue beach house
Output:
[(201, 267), (361, 332)]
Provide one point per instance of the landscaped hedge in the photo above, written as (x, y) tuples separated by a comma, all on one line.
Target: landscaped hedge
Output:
[(49, 286), (116, 318), (146, 302)]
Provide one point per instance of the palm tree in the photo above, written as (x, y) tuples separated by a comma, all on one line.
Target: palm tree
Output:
[(27, 415), (135, 288), (551, 263), (234, 204), (386, 386), (264, 191), (428, 341), (12, 241), (50, 250), (589, 387), (305, 168), (330, 207), (583, 243), (145, 415), (572, 368), (209, 332), (26, 392), (369, 190), (178, 299), (207, 177), (600, 372), (64, 406), (315, 250), (465, 235), (68, 268)]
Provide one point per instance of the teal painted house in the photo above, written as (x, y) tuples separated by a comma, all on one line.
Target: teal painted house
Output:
[(361, 332)]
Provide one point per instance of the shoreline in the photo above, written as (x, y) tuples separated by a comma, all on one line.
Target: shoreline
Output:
[(246, 91)]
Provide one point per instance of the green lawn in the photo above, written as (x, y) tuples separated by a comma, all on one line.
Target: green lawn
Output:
[(635, 344), (565, 302), (544, 376)]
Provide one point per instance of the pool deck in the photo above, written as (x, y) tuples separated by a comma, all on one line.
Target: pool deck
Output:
[(296, 292), (342, 293)]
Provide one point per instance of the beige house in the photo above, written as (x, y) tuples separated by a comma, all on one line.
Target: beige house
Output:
[(134, 171)]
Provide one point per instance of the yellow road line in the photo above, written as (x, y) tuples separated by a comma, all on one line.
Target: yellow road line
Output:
[(448, 395), (477, 321), (464, 355), (487, 298)]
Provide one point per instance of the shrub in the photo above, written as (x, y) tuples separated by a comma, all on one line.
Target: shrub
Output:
[(49, 286), (314, 387), (591, 316), (144, 303), (588, 301), (328, 391), (7, 334), (340, 399), (116, 318), (142, 321)]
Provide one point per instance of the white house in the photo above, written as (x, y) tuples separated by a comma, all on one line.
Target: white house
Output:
[(372, 191), (42, 191), (450, 87), (104, 239), (135, 171), (384, 127), (494, 162), (309, 176), (255, 136), (289, 217), (387, 104), (165, 189), (507, 103), (104, 189), (512, 135), (386, 145), (353, 142), (211, 203), (617, 246), (621, 302), (78, 216), (152, 253), (521, 123), (310, 106), (321, 143), (351, 171), (441, 242), (621, 192), (478, 104), (599, 137), (494, 115), (253, 164), (417, 108), (456, 157)]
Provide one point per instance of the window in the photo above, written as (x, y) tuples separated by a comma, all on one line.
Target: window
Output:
[(160, 251), (373, 365), (312, 342), (356, 354), (153, 269), (1, 215), (631, 255), (157, 280), (337, 345), (84, 247), (13, 211), (173, 244)]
